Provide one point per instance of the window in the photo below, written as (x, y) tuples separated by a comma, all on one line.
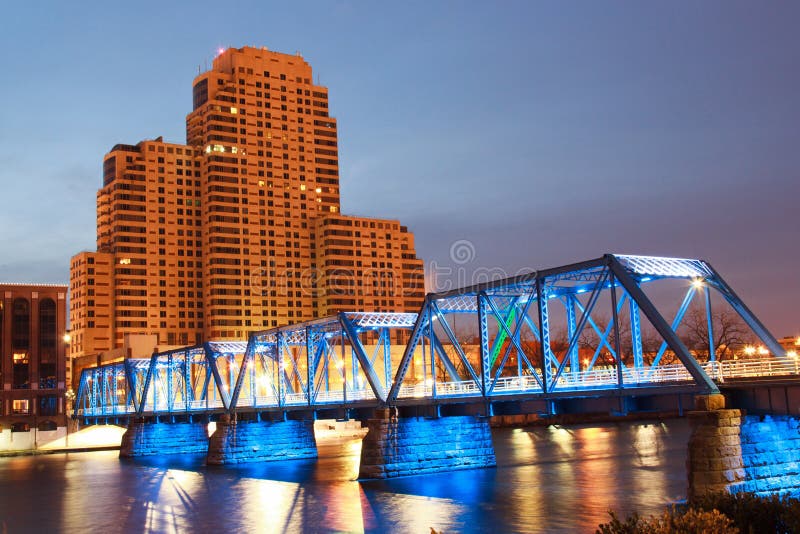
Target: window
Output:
[(20, 334), (47, 330), (20, 406), (48, 405), (21, 371)]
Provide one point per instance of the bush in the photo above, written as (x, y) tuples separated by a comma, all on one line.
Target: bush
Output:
[(752, 513), (671, 521), (717, 513)]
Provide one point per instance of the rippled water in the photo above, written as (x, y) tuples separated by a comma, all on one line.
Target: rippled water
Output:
[(547, 479)]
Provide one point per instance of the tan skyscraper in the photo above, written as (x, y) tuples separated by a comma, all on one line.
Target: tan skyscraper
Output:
[(238, 230)]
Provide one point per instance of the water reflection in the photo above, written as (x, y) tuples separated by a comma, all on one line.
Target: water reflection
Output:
[(547, 479)]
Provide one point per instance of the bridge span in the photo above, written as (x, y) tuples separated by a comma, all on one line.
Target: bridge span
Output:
[(589, 330)]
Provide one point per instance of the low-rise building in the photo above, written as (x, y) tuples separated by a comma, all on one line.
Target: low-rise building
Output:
[(33, 370)]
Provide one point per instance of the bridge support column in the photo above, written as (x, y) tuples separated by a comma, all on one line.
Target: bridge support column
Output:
[(715, 450), (395, 447), (146, 438), (260, 441)]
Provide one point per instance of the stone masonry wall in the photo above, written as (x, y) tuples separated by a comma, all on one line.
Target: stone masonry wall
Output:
[(400, 447), (714, 461), (145, 439), (771, 455), (240, 442)]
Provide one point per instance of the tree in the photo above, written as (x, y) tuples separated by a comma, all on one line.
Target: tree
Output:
[(731, 334)]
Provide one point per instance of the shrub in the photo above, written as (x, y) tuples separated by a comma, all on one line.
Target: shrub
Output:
[(716, 513), (753, 513), (671, 521)]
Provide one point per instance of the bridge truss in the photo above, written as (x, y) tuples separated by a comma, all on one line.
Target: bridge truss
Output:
[(572, 331)]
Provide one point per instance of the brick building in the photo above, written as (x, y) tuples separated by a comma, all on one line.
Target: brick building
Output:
[(239, 229), (33, 367)]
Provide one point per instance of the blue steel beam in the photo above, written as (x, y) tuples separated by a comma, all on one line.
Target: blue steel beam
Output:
[(516, 343), (658, 322), (636, 335), (585, 316), (710, 320), (363, 360), (687, 300), (408, 354), (212, 365), (615, 321), (748, 316), (442, 321), (483, 329), (98, 389), (148, 379)]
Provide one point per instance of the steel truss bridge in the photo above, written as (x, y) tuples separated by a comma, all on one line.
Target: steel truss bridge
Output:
[(490, 342)]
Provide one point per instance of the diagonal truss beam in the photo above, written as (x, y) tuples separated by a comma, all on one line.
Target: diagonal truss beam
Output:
[(660, 324)]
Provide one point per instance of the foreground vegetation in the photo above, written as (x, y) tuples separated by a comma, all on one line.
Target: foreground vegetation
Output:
[(719, 513)]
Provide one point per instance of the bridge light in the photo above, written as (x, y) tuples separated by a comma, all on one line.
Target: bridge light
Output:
[(792, 354), (763, 351), (749, 350), (698, 283)]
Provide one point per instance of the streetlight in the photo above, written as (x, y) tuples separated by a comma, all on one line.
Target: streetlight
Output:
[(70, 398), (69, 395)]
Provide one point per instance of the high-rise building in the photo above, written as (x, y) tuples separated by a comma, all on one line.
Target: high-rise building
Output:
[(239, 229)]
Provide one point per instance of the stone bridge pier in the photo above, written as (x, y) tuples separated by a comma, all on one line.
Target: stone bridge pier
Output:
[(732, 451), (237, 441), (147, 438), (400, 446)]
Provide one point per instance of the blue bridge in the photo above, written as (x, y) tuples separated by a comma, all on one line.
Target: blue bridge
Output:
[(594, 334)]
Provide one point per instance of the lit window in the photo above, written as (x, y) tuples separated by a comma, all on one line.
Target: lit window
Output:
[(334, 209), (20, 406), (125, 261), (318, 190), (302, 187), (234, 111)]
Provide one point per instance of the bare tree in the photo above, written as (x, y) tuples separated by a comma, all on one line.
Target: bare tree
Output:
[(731, 334)]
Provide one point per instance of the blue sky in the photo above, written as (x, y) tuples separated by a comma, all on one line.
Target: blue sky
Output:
[(543, 133)]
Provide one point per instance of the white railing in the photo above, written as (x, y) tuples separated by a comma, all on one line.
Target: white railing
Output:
[(607, 377), (596, 378)]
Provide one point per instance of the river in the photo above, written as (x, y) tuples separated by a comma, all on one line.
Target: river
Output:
[(553, 479)]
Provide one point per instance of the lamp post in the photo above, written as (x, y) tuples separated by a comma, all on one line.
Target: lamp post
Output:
[(69, 395)]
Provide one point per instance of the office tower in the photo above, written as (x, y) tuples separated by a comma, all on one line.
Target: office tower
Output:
[(239, 229)]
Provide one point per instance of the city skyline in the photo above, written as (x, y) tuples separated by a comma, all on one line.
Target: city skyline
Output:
[(516, 140)]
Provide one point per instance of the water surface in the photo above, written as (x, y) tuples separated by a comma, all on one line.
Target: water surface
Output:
[(547, 480)]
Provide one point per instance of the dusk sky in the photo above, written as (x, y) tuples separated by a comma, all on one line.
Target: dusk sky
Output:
[(543, 133)]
